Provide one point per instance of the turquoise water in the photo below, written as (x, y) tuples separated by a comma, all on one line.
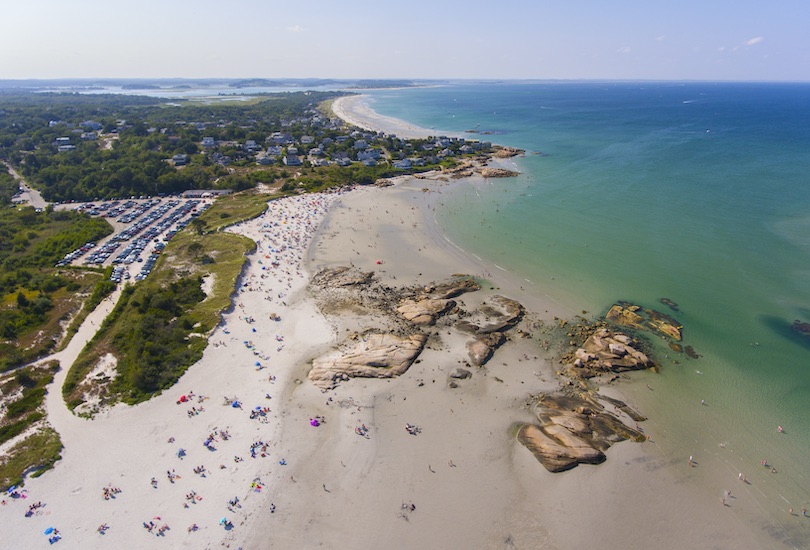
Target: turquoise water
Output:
[(697, 192)]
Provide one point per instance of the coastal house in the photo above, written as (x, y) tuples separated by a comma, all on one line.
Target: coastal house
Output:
[(208, 142), (360, 144), (89, 136), (290, 160), (265, 161), (180, 159), (250, 146), (343, 161), (292, 150), (91, 125), (274, 151), (368, 154), (369, 162), (306, 140), (403, 164), (466, 150)]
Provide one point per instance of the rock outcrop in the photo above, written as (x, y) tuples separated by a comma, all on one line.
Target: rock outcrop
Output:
[(481, 348), (606, 351), (574, 429), (498, 173), (425, 311), (489, 324), (456, 286), (375, 355), (636, 317), (342, 276)]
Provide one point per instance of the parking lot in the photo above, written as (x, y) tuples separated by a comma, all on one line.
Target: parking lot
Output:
[(142, 229)]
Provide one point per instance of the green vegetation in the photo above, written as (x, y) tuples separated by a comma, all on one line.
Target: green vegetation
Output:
[(129, 155), (159, 328), (23, 394), (230, 210), (35, 296), (39, 452), (23, 410), (8, 186)]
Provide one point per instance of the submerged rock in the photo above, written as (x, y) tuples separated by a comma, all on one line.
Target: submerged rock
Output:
[(633, 316)]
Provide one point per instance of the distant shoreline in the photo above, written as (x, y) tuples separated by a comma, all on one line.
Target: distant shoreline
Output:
[(354, 109)]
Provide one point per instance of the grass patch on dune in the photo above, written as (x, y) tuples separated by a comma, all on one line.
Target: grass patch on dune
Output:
[(32, 456), (160, 326), (232, 209)]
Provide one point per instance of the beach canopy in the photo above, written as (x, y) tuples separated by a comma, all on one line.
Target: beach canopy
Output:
[(49, 530), (235, 404), (183, 398)]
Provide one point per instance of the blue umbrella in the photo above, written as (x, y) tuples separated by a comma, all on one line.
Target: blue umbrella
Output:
[(49, 530)]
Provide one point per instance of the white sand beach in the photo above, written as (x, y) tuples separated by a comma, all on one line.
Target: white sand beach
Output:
[(462, 482)]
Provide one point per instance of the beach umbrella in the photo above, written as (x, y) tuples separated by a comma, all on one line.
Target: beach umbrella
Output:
[(183, 398), (258, 364), (12, 489), (223, 521), (49, 530)]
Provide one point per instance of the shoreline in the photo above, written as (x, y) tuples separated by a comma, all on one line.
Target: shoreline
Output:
[(471, 483), (355, 110)]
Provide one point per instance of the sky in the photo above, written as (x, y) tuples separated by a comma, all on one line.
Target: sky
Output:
[(758, 40)]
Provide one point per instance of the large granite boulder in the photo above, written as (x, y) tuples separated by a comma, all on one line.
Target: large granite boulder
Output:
[(457, 286), (575, 429), (607, 351), (375, 355), (342, 276), (553, 454), (425, 311), (481, 348)]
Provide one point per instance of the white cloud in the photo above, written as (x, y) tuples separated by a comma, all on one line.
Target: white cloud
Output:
[(754, 41), (624, 49), (295, 28), (660, 38)]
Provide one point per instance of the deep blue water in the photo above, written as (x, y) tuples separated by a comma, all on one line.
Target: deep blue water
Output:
[(697, 192)]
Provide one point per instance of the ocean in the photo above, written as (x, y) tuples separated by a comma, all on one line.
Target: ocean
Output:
[(697, 192)]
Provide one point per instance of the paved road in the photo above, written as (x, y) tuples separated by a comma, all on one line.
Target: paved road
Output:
[(27, 193)]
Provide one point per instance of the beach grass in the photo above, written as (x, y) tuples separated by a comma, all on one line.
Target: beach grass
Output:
[(232, 209), (35, 455), (159, 327)]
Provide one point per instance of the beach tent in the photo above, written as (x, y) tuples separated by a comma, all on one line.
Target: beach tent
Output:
[(49, 530)]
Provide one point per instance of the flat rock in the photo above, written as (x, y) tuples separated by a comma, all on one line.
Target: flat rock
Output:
[(450, 289), (574, 429), (553, 454), (425, 311), (342, 276), (374, 356), (483, 346)]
